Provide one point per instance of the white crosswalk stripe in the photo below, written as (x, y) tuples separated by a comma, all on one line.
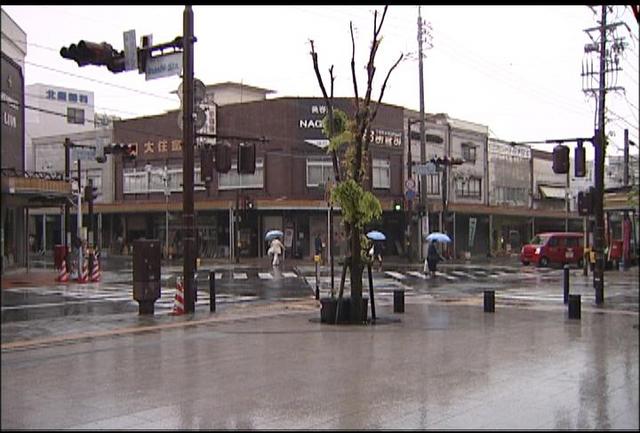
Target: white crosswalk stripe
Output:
[(417, 274), (396, 275), (240, 276), (289, 274), (265, 276)]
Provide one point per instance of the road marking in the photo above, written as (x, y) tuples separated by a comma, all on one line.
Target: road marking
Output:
[(289, 274), (265, 276), (240, 276), (396, 275), (417, 274)]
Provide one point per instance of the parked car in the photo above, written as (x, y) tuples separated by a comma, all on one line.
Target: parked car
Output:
[(554, 248)]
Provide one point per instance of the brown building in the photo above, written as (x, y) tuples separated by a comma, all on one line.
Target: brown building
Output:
[(286, 192)]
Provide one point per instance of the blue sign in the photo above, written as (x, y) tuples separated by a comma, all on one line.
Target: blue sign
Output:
[(410, 194)]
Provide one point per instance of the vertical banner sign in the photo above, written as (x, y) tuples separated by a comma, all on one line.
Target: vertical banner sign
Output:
[(472, 231)]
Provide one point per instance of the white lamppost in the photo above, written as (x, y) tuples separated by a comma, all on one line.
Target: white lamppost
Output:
[(165, 179)]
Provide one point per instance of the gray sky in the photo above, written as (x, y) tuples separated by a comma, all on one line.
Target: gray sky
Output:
[(515, 69)]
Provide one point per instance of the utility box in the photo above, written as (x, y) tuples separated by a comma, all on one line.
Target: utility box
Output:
[(146, 273)]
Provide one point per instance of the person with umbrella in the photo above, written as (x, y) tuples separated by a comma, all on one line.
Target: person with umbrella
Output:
[(433, 256), (375, 252), (276, 249)]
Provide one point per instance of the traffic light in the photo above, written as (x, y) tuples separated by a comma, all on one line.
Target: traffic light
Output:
[(561, 159), (90, 193), (585, 202), (223, 157), (246, 158), (90, 53), (420, 210), (128, 151), (580, 169), (397, 205), (206, 164)]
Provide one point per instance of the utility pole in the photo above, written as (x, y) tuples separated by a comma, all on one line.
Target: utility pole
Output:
[(188, 134), (423, 151), (606, 64)]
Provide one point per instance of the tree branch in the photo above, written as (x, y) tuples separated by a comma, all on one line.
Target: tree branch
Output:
[(334, 156), (353, 68), (384, 85)]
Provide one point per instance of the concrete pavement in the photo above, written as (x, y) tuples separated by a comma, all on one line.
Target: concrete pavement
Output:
[(439, 365)]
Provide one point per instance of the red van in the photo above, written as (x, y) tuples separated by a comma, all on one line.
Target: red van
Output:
[(554, 248)]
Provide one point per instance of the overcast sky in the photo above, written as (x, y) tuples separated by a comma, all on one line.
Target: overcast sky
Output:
[(515, 69)]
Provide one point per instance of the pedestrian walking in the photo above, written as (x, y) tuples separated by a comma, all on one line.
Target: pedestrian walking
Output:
[(375, 252), (318, 245), (433, 257), (276, 249)]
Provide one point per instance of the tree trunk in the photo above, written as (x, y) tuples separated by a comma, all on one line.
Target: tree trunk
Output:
[(356, 277)]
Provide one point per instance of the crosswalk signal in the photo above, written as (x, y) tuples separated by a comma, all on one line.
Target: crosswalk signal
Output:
[(585, 202), (397, 205), (580, 169), (206, 164), (246, 158), (561, 159), (223, 157)]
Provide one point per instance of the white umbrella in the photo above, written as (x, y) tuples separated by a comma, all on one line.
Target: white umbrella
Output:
[(438, 237)]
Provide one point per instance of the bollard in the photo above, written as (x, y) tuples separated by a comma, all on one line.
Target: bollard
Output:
[(212, 291), (317, 287), (398, 301), (489, 301), (574, 307), (566, 283)]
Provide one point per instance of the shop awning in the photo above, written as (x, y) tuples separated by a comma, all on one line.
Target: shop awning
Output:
[(552, 192)]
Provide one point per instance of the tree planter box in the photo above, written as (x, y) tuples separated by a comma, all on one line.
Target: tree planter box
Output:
[(329, 307)]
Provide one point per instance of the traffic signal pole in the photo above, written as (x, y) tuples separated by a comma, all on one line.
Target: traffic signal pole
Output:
[(188, 135)]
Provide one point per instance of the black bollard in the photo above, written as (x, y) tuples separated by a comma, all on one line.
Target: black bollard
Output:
[(566, 283), (574, 306), (398, 301), (212, 291), (489, 301), (317, 287)]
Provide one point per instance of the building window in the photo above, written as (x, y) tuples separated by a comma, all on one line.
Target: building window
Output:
[(73, 97), (469, 152), (75, 115), (141, 181), (433, 184), (381, 173), (134, 181), (84, 99), (51, 94), (319, 171), (471, 187), (233, 180), (62, 96)]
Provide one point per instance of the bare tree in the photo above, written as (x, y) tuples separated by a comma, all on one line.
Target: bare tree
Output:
[(359, 206)]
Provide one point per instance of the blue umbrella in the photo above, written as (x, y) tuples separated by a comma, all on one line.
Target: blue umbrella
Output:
[(273, 234), (375, 235), (438, 237)]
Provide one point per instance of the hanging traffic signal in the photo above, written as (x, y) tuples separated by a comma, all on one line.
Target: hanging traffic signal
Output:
[(246, 158), (206, 164), (223, 157), (561, 159), (579, 165), (129, 151), (90, 53)]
